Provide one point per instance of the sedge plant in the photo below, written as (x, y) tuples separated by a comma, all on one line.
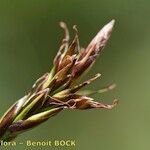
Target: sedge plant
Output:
[(58, 89)]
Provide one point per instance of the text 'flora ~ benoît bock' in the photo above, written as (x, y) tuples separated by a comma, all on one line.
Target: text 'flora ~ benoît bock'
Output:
[(57, 90)]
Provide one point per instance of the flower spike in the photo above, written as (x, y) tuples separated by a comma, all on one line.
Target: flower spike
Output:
[(58, 89)]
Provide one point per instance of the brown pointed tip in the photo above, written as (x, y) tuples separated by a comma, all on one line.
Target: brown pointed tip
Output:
[(102, 37)]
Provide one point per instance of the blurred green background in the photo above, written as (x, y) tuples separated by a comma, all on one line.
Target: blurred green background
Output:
[(29, 39)]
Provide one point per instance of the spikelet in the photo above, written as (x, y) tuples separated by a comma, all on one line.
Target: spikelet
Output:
[(56, 90)]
